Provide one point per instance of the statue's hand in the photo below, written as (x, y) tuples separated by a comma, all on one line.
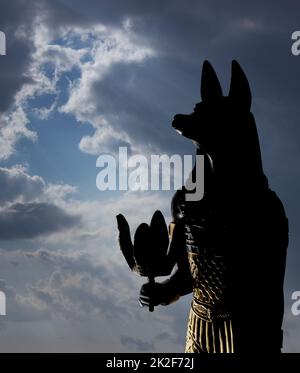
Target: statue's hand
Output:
[(150, 254), (154, 294)]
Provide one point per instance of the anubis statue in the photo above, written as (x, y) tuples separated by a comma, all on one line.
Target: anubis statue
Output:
[(230, 247)]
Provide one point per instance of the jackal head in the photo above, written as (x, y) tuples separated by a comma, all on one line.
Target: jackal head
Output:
[(221, 124)]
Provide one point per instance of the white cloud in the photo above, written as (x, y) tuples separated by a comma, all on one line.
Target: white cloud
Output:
[(104, 139), (110, 46), (18, 186), (91, 51), (13, 126), (58, 192)]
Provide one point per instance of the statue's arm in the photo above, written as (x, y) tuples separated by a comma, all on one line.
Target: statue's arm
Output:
[(179, 284)]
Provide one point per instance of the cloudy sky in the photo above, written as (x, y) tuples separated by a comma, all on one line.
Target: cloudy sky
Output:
[(83, 78)]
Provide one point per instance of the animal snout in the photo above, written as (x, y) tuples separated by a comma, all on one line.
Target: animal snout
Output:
[(178, 121)]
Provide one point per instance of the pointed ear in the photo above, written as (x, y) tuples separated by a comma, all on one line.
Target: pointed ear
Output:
[(239, 87), (210, 85)]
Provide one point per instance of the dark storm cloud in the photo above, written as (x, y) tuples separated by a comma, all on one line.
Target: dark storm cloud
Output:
[(73, 289), (77, 287), (137, 343), (164, 336), (16, 20), (140, 110), (31, 220), (23, 210)]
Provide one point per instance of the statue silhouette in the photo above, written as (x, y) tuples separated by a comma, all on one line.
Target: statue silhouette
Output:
[(230, 247)]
